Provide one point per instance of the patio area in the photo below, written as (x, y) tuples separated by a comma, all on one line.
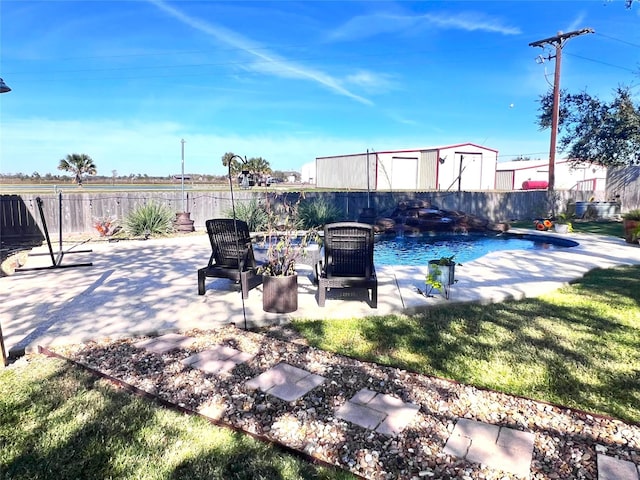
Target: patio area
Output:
[(144, 287)]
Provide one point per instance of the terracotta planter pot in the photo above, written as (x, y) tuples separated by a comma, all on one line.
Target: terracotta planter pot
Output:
[(183, 222), (630, 227), (280, 294)]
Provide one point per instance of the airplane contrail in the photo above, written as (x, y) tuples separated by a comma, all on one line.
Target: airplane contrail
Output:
[(282, 67)]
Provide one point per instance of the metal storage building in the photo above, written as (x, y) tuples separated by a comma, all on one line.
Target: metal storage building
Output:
[(514, 175), (464, 166)]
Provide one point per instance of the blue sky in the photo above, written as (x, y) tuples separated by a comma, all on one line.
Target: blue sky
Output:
[(125, 81)]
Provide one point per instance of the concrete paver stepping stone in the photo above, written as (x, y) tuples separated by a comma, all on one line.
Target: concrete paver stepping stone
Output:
[(154, 345), (165, 343), (286, 382), (383, 413), (214, 366), (363, 396), (216, 360), (360, 415), (501, 448), (180, 340), (288, 391), (219, 352), (611, 468)]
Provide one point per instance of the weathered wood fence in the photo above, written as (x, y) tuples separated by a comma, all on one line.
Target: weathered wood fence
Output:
[(623, 184), (79, 212)]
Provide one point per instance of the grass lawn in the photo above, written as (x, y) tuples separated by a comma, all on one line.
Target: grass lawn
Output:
[(578, 346), (611, 228), (59, 422)]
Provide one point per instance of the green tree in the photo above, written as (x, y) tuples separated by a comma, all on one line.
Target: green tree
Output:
[(594, 131), (79, 164), (259, 166), (236, 164)]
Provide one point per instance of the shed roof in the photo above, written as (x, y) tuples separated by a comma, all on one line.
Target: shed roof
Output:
[(441, 147)]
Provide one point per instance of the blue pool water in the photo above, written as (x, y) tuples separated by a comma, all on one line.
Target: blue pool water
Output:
[(419, 249)]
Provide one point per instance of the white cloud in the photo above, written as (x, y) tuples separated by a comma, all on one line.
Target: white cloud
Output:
[(365, 26), (370, 81), (471, 22), (266, 61), (577, 24)]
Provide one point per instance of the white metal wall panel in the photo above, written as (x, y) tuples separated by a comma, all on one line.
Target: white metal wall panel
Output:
[(385, 163), (428, 172), (349, 171), (504, 179)]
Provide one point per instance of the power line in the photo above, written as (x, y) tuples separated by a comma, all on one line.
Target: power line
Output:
[(601, 62), (618, 40)]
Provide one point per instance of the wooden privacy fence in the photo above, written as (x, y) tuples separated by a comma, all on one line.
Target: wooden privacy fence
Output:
[(79, 212)]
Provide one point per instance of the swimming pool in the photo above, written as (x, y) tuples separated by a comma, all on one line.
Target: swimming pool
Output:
[(419, 249)]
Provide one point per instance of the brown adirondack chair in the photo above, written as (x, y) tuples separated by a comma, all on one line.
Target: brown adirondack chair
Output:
[(348, 260), (231, 255)]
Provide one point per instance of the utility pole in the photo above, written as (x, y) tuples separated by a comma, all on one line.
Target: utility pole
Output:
[(558, 42), (182, 176)]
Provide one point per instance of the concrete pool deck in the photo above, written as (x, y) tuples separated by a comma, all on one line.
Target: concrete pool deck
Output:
[(148, 287)]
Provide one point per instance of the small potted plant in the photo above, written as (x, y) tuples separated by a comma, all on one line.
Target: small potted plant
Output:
[(543, 224), (285, 245), (441, 275), (562, 223), (106, 226), (631, 221)]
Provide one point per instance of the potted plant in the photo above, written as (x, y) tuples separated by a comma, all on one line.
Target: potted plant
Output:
[(285, 245), (543, 224), (106, 226), (562, 223), (635, 235), (631, 221), (441, 275)]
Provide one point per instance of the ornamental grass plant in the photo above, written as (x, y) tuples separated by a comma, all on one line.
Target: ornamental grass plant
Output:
[(318, 212), (149, 219), (252, 212)]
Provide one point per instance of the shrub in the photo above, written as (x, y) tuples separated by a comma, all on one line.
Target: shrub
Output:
[(253, 213), (632, 215), (318, 212), (149, 219)]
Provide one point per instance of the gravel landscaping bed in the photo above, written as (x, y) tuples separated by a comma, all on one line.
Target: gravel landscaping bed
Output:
[(566, 442)]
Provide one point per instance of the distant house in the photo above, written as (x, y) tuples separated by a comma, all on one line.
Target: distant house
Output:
[(464, 166), (531, 174), (180, 177)]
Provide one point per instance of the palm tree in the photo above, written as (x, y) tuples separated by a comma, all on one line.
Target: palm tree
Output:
[(236, 165), (259, 165), (78, 164)]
